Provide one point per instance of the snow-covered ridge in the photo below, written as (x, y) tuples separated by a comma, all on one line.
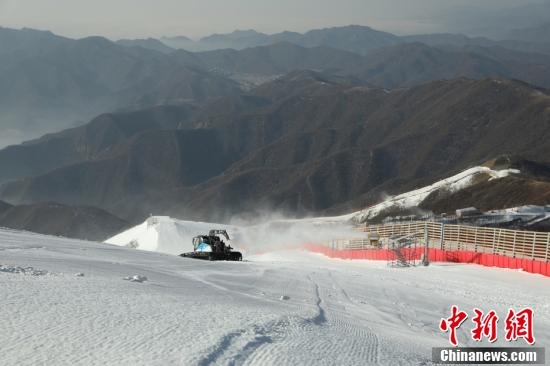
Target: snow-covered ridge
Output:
[(415, 197)]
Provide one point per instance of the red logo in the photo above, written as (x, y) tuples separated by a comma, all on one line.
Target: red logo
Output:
[(517, 325), (453, 323), (485, 326), (520, 325)]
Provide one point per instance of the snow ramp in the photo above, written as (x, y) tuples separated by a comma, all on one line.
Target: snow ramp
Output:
[(164, 234)]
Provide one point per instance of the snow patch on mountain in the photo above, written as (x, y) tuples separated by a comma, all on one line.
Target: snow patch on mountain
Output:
[(414, 198)]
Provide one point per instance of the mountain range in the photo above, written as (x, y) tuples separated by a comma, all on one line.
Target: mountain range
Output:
[(52, 218), (536, 34), (402, 65), (48, 82), (318, 123), (357, 39), (303, 143), (352, 38)]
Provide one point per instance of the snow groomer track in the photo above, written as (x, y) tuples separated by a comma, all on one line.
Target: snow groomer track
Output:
[(69, 302)]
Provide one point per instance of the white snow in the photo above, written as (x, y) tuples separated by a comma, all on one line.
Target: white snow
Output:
[(135, 278), (192, 312), (415, 197)]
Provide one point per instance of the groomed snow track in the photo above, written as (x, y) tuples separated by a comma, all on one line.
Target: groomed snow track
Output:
[(71, 306)]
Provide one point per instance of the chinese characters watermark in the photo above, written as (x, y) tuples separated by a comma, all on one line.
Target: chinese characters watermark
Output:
[(516, 325)]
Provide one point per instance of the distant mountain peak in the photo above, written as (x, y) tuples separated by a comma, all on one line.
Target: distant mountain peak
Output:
[(96, 40), (246, 32), (32, 30), (236, 35), (148, 43), (176, 38)]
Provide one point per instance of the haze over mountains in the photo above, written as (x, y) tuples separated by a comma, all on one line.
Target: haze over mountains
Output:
[(354, 38), (536, 34), (321, 122), (302, 144), (51, 218), (471, 18), (359, 39), (49, 82)]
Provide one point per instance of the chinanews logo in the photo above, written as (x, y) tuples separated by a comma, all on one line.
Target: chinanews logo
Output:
[(518, 325)]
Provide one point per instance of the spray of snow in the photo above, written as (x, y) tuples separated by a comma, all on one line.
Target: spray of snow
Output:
[(171, 236), (272, 231), (283, 233)]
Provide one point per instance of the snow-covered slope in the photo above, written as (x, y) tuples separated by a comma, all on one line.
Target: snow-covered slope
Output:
[(68, 302), (414, 198)]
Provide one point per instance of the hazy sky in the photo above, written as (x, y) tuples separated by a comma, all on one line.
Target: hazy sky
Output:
[(195, 18)]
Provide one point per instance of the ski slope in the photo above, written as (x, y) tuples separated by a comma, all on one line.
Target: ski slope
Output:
[(69, 302)]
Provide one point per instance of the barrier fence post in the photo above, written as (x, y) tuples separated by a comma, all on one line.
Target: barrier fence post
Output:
[(533, 251), (547, 245), (458, 238), (494, 239), (475, 239), (425, 260), (442, 243), (514, 245)]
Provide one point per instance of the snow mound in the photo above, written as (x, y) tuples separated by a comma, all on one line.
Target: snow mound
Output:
[(23, 270), (415, 197), (164, 234), (135, 278)]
